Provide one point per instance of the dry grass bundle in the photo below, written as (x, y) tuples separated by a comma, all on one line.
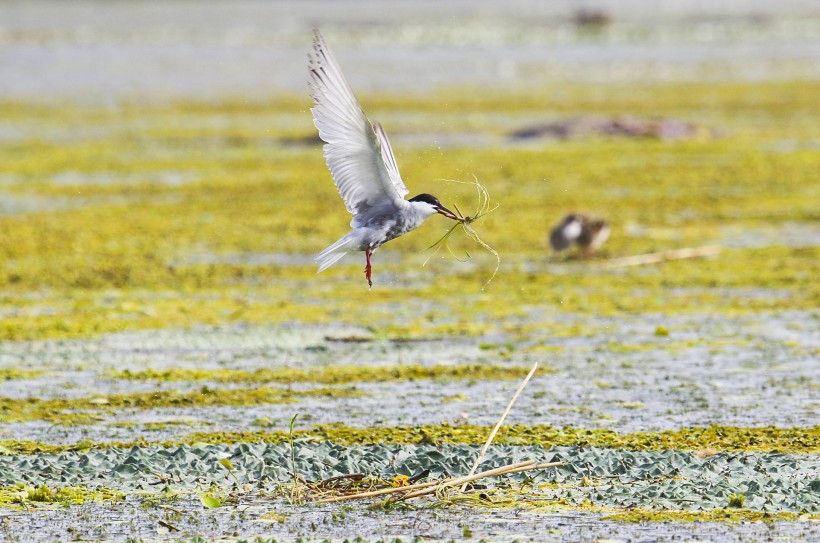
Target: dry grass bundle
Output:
[(464, 223), (406, 492), (436, 487)]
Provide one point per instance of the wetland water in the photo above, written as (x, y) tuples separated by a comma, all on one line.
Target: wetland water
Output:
[(160, 315), (750, 371), (98, 51)]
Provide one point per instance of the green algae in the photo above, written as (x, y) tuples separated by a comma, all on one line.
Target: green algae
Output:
[(89, 409), (22, 496), (793, 101), (768, 439), (114, 274), (713, 285), (728, 438), (714, 515), (521, 498), (331, 375), (7, 374), (716, 438), (12, 446), (158, 426)]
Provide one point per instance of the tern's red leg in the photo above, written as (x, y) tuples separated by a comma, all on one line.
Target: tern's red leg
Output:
[(368, 268)]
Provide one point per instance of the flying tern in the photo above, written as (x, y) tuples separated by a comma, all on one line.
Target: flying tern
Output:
[(362, 165)]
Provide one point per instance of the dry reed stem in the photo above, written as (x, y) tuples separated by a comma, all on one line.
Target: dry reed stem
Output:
[(654, 258), (500, 422), (504, 470), (423, 489)]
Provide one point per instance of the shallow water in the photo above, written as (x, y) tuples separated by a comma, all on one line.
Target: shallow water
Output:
[(640, 371), (755, 370), (187, 517), (95, 51)]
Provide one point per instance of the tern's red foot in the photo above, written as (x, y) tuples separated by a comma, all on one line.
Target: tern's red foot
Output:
[(368, 269)]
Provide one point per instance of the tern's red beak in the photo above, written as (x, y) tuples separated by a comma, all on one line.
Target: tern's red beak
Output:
[(447, 213)]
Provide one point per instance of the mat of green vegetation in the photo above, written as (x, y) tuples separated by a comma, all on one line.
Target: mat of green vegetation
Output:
[(160, 311), (156, 216), (674, 480)]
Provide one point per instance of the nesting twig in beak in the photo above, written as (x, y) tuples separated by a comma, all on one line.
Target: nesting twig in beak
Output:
[(464, 221)]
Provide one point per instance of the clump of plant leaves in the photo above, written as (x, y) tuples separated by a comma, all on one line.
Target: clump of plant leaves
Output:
[(210, 501)]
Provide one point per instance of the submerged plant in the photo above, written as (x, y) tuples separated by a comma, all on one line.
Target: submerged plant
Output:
[(209, 501), (295, 487), (228, 465), (737, 500)]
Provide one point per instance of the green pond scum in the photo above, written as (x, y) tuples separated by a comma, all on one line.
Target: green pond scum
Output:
[(331, 375), (523, 498), (203, 215), (28, 497), (202, 204), (710, 440), (90, 409), (770, 439), (715, 515), (7, 374)]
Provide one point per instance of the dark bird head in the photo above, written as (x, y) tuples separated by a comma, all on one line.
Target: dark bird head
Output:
[(434, 204)]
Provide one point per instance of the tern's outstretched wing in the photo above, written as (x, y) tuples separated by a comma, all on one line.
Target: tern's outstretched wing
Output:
[(358, 155)]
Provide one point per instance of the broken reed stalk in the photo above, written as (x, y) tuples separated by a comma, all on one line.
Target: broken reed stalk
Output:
[(504, 470), (654, 258), (500, 422)]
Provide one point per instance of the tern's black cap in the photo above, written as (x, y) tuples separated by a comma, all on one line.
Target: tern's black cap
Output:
[(428, 198)]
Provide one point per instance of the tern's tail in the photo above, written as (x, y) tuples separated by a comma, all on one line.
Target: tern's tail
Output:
[(332, 254)]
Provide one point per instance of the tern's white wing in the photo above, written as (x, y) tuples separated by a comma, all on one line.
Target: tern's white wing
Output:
[(358, 155)]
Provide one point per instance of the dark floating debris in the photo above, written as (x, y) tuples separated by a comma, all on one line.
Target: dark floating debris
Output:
[(591, 18), (348, 339), (301, 141), (625, 126)]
